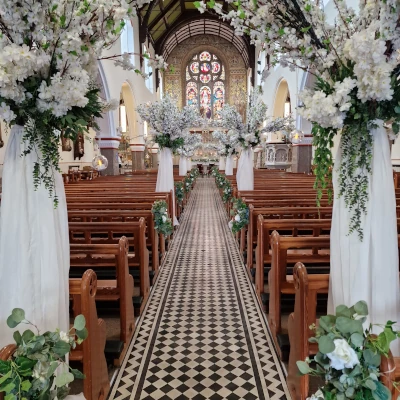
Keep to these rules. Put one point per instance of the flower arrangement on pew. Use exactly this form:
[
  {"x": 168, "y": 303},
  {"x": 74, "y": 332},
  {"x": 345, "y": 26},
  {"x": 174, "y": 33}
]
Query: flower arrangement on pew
[
  {"x": 179, "y": 192},
  {"x": 240, "y": 215},
  {"x": 49, "y": 64},
  {"x": 227, "y": 191},
  {"x": 215, "y": 172},
  {"x": 163, "y": 223},
  {"x": 220, "y": 181},
  {"x": 37, "y": 369},
  {"x": 349, "y": 357},
  {"x": 187, "y": 184}
]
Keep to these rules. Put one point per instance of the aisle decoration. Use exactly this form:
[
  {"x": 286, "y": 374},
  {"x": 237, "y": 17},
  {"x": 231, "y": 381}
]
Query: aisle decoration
[
  {"x": 227, "y": 192},
  {"x": 354, "y": 62},
  {"x": 162, "y": 223},
  {"x": 191, "y": 142},
  {"x": 349, "y": 357},
  {"x": 226, "y": 148},
  {"x": 245, "y": 136},
  {"x": 179, "y": 192},
  {"x": 37, "y": 369},
  {"x": 168, "y": 126},
  {"x": 240, "y": 214}
]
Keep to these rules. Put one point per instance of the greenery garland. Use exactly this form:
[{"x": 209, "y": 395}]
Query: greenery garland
[
  {"x": 227, "y": 192},
  {"x": 31, "y": 372},
  {"x": 240, "y": 214},
  {"x": 163, "y": 224},
  {"x": 179, "y": 192},
  {"x": 187, "y": 184}
]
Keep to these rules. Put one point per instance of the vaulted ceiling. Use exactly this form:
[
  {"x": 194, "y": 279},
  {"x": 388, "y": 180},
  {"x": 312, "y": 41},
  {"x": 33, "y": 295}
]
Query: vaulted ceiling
[{"x": 169, "y": 22}]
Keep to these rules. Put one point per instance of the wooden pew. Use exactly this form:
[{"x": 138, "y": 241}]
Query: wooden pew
[
  {"x": 303, "y": 316},
  {"x": 124, "y": 216},
  {"x": 90, "y": 353},
  {"x": 312, "y": 250},
  {"x": 119, "y": 288},
  {"x": 110, "y": 233}
]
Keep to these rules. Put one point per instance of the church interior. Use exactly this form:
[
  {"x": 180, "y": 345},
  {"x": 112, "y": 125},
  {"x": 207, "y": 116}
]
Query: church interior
[{"x": 226, "y": 262}]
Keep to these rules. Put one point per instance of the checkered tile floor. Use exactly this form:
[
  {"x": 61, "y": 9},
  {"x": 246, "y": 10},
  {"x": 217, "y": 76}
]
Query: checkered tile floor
[{"x": 202, "y": 335}]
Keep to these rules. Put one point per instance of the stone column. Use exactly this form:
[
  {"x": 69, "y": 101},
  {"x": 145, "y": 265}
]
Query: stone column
[
  {"x": 302, "y": 155},
  {"x": 154, "y": 156},
  {"x": 109, "y": 149},
  {"x": 137, "y": 156}
]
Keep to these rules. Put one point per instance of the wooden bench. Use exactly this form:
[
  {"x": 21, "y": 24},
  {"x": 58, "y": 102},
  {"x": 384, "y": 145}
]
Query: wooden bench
[
  {"x": 90, "y": 353},
  {"x": 110, "y": 233},
  {"x": 286, "y": 251},
  {"x": 118, "y": 287},
  {"x": 124, "y": 216}
]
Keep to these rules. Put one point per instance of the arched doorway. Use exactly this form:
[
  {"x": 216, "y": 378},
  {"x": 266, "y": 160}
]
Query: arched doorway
[{"x": 282, "y": 104}]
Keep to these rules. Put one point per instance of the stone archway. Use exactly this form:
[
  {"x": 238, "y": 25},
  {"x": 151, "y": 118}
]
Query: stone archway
[{"x": 282, "y": 94}]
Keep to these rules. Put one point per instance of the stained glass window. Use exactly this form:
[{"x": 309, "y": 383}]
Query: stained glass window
[{"x": 205, "y": 87}]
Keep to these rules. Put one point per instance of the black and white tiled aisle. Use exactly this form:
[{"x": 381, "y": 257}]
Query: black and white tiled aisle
[{"x": 202, "y": 335}]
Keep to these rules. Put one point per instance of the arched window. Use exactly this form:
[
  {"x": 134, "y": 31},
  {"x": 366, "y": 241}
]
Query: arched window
[
  {"x": 260, "y": 67},
  {"x": 128, "y": 40},
  {"x": 149, "y": 71},
  {"x": 205, "y": 84}
]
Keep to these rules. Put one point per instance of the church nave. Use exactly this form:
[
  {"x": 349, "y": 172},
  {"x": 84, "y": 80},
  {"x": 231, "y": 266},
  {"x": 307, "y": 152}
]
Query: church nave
[{"x": 203, "y": 334}]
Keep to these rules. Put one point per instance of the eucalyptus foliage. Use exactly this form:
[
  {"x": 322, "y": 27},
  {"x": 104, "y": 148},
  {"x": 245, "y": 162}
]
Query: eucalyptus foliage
[
  {"x": 162, "y": 222},
  {"x": 349, "y": 356},
  {"x": 179, "y": 192},
  {"x": 37, "y": 370},
  {"x": 240, "y": 214}
]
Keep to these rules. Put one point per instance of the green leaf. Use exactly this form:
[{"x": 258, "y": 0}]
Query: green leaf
[
  {"x": 53, "y": 366},
  {"x": 327, "y": 322},
  {"x": 9, "y": 387},
  {"x": 79, "y": 322},
  {"x": 10, "y": 396},
  {"x": 17, "y": 337},
  {"x": 61, "y": 348},
  {"x": 381, "y": 392},
  {"x": 347, "y": 325},
  {"x": 397, "y": 109},
  {"x": 6, "y": 376},
  {"x": 27, "y": 336},
  {"x": 63, "y": 19},
  {"x": 26, "y": 385},
  {"x": 371, "y": 358},
  {"x": 77, "y": 374},
  {"x": 350, "y": 392},
  {"x": 357, "y": 339},
  {"x": 211, "y": 4},
  {"x": 361, "y": 308},
  {"x": 5, "y": 366},
  {"x": 326, "y": 345},
  {"x": 370, "y": 384},
  {"x": 343, "y": 311},
  {"x": 16, "y": 317},
  {"x": 303, "y": 367},
  {"x": 64, "y": 379},
  {"x": 83, "y": 334}
]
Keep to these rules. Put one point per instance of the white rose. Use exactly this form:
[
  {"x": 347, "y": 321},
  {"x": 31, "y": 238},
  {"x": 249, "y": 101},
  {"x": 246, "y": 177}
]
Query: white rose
[
  {"x": 343, "y": 356},
  {"x": 230, "y": 224},
  {"x": 317, "y": 395},
  {"x": 64, "y": 337},
  {"x": 237, "y": 218},
  {"x": 164, "y": 218}
]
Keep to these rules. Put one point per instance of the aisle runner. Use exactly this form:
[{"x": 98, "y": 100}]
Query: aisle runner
[{"x": 202, "y": 335}]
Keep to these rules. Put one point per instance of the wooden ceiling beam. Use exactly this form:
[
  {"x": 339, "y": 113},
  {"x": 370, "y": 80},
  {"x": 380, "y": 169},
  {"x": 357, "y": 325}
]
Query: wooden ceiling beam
[{"x": 164, "y": 11}]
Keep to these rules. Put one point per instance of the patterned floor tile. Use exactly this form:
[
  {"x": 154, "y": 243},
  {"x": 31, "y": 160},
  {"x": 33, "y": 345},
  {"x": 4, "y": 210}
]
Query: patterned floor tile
[{"x": 203, "y": 334}]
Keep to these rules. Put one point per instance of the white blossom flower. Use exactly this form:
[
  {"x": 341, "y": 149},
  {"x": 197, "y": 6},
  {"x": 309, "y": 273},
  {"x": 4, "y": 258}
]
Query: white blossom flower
[
  {"x": 64, "y": 337},
  {"x": 237, "y": 218},
  {"x": 343, "y": 356}
]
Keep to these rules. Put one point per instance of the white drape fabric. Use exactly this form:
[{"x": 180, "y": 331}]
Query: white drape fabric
[
  {"x": 183, "y": 167},
  {"x": 221, "y": 166},
  {"x": 165, "y": 176},
  {"x": 229, "y": 165},
  {"x": 245, "y": 171},
  {"x": 34, "y": 245},
  {"x": 368, "y": 270},
  {"x": 189, "y": 164}
]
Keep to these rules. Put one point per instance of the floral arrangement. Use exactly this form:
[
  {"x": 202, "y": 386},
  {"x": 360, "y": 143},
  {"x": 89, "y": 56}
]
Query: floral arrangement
[
  {"x": 49, "y": 52},
  {"x": 37, "y": 369},
  {"x": 179, "y": 192},
  {"x": 192, "y": 141},
  {"x": 220, "y": 180},
  {"x": 280, "y": 124},
  {"x": 349, "y": 357},
  {"x": 355, "y": 61},
  {"x": 244, "y": 134},
  {"x": 240, "y": 214},
  {"x": 215, "y": 172},
  {"x": 226, "y": 143},
  {"x": 168, "y": 124},
  {"x": 187, "y": 184},
  {"x": 227, "y": 192},
  {"x": 162, "y": 223}
]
